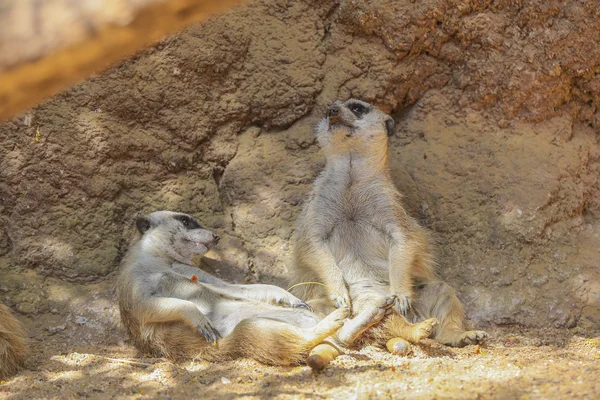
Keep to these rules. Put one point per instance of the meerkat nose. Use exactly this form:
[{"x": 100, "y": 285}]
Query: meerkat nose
[{"x": 333, "y": 111}]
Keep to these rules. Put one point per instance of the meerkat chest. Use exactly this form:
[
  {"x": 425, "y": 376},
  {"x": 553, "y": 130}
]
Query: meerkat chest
[
  {"x": 347, "y": 203},
  {"x": 354, "y": 218}
]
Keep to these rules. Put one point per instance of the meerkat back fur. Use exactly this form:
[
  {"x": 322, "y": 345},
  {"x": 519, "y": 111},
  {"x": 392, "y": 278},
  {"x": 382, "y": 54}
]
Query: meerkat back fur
[
  {"x": 171, "y": 308},
  {"x": 13, "y": 343},
  {"x": 355, "y": 236}
]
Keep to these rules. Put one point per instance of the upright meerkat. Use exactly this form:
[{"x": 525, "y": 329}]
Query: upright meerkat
[
  {"x": 173, "y": 309},
  {"x": 355, "y": 236},
  {"x": 13, "y": 344}
]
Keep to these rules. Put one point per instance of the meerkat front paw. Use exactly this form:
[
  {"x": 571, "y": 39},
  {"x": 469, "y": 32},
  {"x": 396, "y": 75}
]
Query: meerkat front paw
[
  {"x": 280, "y": 297},
  {"x": 402, "y": 304},
  {"x": 293, "y": 302},
  {"x": 300, "y": 304},
  {"x": 205, "y": 328}
]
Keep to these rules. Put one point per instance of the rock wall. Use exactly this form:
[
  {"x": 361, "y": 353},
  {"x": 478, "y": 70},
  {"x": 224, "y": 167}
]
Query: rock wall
[{"x": 497, "y": 149}]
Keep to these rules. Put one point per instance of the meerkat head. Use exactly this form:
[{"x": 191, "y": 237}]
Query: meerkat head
[
  {"x": 354, "y": 125},
  {"x": 174, "y": 235}
]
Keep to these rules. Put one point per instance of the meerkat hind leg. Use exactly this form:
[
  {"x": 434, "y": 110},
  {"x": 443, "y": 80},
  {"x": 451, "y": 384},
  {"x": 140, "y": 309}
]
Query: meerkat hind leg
[
  {"x": 321, "y": 355},
  {"x": 327, "y": 326},
  {"x": 439, "y": 300},
  {"x": 353, "y": 328},
  {"x": 397, "y": 326},
  {"x": 324, "y": 353},
  {"x": 274, "y": 342}
]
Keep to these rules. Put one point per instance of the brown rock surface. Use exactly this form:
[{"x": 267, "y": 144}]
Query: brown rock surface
[{"x": 497, "y": 152}]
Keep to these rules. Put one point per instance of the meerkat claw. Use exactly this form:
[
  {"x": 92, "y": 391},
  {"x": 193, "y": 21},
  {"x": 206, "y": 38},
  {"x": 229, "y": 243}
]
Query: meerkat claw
[
  {"x": 402, "y": 304},
  {"x": 340, "y": 302},
  {"x": 304, "y": 305},
  {"x": 208, "y": 332},
  {"x": 389, "y": 300}
]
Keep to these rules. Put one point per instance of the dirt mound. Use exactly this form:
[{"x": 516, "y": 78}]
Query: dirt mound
[{"x": 497, "y": 149}]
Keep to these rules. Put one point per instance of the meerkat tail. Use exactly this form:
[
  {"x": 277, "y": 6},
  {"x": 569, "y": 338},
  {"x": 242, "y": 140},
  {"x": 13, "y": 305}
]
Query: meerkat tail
[
  {"x": 13, "y": 343},
  {"x": 321, "y": 356}
]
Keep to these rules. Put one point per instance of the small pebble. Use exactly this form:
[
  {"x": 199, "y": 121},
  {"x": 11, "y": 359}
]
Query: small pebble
[{"x": 56, "y": 329}]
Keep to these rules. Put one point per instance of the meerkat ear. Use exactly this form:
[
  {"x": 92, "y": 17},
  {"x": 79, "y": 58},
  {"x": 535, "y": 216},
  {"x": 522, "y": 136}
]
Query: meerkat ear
[
  {"x": 390, "y": 127},
  {"x": 142, "y": 224}
]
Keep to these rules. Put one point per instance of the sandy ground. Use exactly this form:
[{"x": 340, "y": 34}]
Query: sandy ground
[{"x": 516, "y": 363}]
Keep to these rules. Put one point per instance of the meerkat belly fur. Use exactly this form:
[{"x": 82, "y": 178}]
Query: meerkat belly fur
[
  {"x": 13, "y": 345},
  {"x": 355, "y": 236},
  {"x": 171, "y": 308}
]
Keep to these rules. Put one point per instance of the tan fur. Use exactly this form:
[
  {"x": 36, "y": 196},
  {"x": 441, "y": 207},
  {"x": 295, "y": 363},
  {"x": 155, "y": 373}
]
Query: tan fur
[
  {"x": 13, "y": 343},
  {"x": 355, "y": 236},
  {"x": 168, "y": 314},
  {"x": 268, "y": 341}
]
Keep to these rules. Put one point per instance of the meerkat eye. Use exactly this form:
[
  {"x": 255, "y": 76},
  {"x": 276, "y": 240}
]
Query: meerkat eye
[
  {"x": 357, "y": 109},
  {"x": 188, "y": 222}
]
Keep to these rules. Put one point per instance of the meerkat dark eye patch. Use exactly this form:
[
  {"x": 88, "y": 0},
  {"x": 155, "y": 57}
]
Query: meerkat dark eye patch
[
  {"x": 390, "y": 127},
  {"x": 358, "y": 109},
  {"x": 188, "y": 222},
  {"x": 142, "y": 224}
]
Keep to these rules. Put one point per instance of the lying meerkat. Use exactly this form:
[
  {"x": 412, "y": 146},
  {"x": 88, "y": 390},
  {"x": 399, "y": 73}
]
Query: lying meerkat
[
  {"x": 13, "y": 344},
  {"x": 355, "y": 236},
  {"x": 173, "y": 309}
]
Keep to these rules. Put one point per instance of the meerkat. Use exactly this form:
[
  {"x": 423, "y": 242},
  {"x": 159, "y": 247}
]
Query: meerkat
[
  {"x": 171, "y": 308},
  {"x": 13, "y": 343},
  {"x": 355, "y": 236}
]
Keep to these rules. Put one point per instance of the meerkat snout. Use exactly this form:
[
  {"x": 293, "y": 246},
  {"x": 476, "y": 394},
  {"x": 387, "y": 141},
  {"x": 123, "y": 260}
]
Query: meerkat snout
[
  {"x": 340, "y": 114},
  {"x": 334, "y": 113}
]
